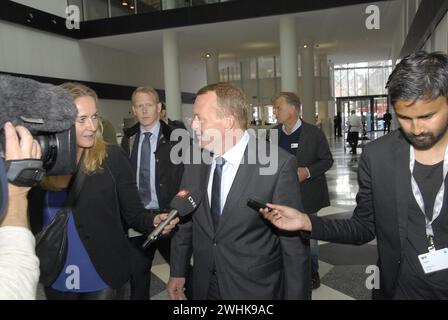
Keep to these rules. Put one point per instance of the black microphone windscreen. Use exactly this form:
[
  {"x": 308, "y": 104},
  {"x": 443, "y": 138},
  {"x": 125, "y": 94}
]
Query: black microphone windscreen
[
  {"x": 38, "y": 106},
  {"x": 186, "y": 201}
]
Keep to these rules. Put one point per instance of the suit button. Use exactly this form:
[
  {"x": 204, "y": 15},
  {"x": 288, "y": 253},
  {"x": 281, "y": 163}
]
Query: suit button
[
  {"x": 213, "y": 272},
  {"x": 86, "y": 238},
  {"x": 161, "y": 185},
  {"x": 157, "y": 160},
  {"x": 215, "y": 244}
]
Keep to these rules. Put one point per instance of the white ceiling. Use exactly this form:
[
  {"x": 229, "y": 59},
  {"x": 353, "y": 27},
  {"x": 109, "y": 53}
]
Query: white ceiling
[{"x": 340, "y": 33}]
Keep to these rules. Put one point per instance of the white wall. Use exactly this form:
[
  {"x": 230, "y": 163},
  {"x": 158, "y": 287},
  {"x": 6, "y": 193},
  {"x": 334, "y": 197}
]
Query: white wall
[
  {"x": 56, "y": 7},
  {"x": 115, "y": 111},
  {"x": 193, "y": 75},
  {"x": 29, "y": 51}
]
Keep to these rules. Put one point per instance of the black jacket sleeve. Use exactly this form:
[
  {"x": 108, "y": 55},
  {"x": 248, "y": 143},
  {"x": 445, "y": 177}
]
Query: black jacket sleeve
[
  {"x": 131, "y": 207},
  {"x": 324, "y": 159},
  {"x": 360, "y": 228}
]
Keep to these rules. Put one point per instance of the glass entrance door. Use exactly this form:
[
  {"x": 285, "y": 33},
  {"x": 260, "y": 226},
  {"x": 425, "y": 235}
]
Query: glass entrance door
[
  {"x": 370, "y": 108},
  {"x": 380, "y": 106},
  {"x": 362, "y": 109}
]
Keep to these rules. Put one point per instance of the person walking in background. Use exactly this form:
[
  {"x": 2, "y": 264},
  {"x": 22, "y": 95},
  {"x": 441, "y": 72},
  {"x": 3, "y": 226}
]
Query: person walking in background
[
  {"x": 354, "y": 127},
  {"x": 337, "y": 121},
  {"x": 387, "y": 118},
  {"x": 310, "y": 147}
]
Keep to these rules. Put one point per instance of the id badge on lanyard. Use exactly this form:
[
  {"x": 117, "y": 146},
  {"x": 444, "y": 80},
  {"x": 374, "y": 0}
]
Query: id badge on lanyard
[{"x": 434, "y": 260}]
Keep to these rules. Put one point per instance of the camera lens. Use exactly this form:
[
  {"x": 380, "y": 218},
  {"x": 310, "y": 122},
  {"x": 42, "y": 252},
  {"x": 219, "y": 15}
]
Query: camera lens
[
  {"x": 58, "y": 152},
  {"x": 49, "y": 148}
]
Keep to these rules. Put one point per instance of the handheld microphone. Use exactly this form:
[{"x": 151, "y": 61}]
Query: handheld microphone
[{"x": 183, "y": 203}]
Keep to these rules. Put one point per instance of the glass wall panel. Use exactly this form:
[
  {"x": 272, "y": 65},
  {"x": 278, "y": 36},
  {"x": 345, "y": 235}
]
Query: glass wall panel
[
  {"x": 351, "y": 82},
  {"x": 360, "y": 82},
  {"x": 266, "y": 67},
  {"x": 77, "y": 3},
  {"x": 121, "y": 7},
  {"x": 95, "y": 9},
  {"x": 147, "y": 5}
]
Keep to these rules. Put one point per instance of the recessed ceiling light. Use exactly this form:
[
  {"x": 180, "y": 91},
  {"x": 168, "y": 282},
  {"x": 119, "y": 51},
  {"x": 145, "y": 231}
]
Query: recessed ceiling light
[
  {"x": 305, "y": 46},
  {"x": 131, "y": 7},
  {"x": 207, "y": 55},
  {"x": 124, "y": 3}
]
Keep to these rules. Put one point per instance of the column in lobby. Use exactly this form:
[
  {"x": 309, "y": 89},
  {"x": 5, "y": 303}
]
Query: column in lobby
[
  {"x": 307, "y": 90},
  {"x": 171, "y": 75},
  {"x": 212, "y": 65},
  {"x": 324, "y": 95},
  {"x": 288, "y": 54}
]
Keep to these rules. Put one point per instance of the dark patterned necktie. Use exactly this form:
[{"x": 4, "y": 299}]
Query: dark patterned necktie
[
  {"x": 215, "y": 204},
  {"x": 144, "y": 185}
]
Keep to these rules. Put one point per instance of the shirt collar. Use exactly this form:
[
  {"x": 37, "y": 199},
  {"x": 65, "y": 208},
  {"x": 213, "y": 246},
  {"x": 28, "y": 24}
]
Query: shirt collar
[
  {"x": 236, "y": 153},
  {"x": 154, "y": 130},
  {"x": 296, "y": 126}
]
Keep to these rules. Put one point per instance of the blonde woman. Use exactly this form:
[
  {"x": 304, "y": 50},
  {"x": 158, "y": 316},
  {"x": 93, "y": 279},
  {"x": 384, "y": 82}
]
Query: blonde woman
[{"x": 97, "y": 264}]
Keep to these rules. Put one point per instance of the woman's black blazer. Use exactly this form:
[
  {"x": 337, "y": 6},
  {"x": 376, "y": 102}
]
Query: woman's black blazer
[{"x": 107, "y": 197}]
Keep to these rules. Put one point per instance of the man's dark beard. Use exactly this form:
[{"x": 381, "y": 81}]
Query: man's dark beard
[{"x": 426, "y": 144}]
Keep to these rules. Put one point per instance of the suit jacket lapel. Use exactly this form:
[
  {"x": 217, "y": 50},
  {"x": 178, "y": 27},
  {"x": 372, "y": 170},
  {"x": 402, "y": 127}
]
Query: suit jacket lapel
[
  {"x": 134, "y": 150},
  {"x": 303, "y": 137},
  {"x": 402, "y": 186},
  {"x": 204, "y": 177}
]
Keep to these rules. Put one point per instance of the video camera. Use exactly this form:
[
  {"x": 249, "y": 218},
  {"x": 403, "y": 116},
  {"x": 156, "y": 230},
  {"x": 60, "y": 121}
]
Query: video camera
[{"x": 49, "y": 113}]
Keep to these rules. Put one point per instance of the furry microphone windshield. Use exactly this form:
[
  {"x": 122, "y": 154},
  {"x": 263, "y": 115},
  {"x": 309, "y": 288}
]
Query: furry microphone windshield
[{"x": 40, "y": 107}]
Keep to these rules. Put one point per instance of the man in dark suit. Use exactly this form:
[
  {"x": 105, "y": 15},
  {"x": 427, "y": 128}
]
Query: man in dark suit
[
  {"x": 236, "y": 254},
  {"x": 310, "y": 146},
  {"x": 402, "y": 198},
  {"x": 157, "y": 177},
  {"x": 387, "y": 118}
]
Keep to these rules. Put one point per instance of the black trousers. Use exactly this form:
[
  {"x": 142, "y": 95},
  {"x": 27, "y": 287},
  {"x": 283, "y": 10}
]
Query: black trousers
[
  {"x": 105, "y": 294},
  {"x": 352, "y": 138},
  {"x": 141, "y": 260}
]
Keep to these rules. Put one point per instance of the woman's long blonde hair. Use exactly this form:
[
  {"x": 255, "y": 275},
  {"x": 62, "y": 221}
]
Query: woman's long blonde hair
[{"x": 94, "y": 156}]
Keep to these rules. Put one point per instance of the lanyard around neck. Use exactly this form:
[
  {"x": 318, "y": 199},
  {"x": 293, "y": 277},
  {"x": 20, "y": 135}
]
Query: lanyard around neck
[{"x": 438, "y": 203}]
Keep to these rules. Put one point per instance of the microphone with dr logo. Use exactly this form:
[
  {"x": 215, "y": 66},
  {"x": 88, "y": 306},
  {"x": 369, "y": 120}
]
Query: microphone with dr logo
[{"x": 183, "y": 203}]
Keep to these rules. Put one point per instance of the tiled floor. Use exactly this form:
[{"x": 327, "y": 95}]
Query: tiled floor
[{"x": 342, "y": 267}]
